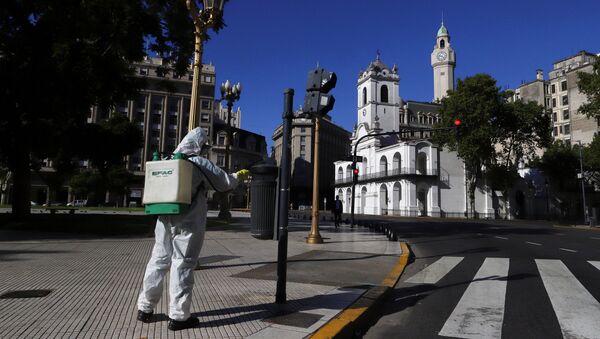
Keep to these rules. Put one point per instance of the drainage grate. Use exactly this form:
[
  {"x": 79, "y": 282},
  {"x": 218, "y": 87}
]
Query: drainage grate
[{"x": 25, "y": 294}]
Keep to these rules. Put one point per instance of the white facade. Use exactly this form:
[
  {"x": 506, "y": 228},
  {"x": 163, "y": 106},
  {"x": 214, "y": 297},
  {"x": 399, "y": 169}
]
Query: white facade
[{"x": 405, "y": 177}]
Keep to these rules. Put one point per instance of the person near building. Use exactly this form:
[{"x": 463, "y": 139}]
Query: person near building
[
  {"x": 179, "y": 238},
  {"x": 337, "y": 210}
]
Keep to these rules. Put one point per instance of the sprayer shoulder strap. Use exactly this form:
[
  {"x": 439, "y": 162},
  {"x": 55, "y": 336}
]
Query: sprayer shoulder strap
[{"x": 205, "y": 176}]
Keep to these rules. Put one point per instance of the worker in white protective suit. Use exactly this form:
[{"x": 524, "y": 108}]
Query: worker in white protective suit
[{"x": 179, "y": 239}]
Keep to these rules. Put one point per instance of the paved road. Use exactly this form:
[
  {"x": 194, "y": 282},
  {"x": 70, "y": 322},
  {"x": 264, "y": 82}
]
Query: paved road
[{"x": 507, "y": 280}]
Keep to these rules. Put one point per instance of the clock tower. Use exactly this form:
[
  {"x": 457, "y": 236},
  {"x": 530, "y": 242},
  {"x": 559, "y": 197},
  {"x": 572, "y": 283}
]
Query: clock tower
[{"x": 443, "y": 61}]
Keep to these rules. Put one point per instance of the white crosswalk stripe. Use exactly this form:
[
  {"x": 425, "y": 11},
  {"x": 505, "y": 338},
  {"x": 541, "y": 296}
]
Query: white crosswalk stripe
[
  {"x": 480, "y": 311},
  {"x": 577, "y": 311},
  {"x": 436, "y": 271},
  {"x": 596, "y": 264}
]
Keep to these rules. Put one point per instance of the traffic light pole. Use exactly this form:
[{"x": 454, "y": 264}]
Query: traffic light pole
[
  {"x": 399, "y": 133},
  {"x": 284, "y": 196}
]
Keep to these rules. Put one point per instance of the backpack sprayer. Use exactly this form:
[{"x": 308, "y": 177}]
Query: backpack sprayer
[{"x": 168, "y": 185}]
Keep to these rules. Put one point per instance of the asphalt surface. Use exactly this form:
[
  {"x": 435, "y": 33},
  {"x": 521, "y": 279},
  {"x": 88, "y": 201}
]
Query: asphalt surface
[{"x": 495, "y": 280}]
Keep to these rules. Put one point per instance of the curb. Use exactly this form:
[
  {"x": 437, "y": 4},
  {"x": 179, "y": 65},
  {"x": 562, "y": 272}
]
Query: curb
[
  {"x": 362, "y": 312},
  {"x": 580, "y": 228}
]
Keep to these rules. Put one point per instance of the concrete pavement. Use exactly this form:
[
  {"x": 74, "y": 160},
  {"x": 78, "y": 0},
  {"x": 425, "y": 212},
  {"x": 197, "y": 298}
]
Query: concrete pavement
[{"x": 93, "y": 283}]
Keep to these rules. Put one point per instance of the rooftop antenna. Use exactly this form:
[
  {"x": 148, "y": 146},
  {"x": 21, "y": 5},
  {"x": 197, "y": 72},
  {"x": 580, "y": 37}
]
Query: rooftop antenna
[
  {"x": 442, "y": 18},
  {"x": 378, "y": 54},
  {"x": 317, "y": 64}
]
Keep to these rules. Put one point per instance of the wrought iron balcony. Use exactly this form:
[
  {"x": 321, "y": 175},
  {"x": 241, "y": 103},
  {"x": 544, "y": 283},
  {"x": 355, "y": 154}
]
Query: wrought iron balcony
[{"x": 389, "y": 174}]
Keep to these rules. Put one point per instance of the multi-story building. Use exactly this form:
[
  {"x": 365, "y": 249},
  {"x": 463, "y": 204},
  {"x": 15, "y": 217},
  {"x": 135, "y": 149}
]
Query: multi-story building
[
  {"x": 561, "y": 97},
  {"x": 333, "y": 146}
]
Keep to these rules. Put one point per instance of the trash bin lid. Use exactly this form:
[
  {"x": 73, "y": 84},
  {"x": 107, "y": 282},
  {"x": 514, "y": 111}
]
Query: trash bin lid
[{"x": 264, "y": 168}]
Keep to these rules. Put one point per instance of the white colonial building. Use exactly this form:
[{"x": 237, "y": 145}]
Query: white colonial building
[{"x": 408, "y": 175}]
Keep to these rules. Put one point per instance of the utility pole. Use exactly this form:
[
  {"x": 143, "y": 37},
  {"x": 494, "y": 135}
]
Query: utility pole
[{"x": 314, "y": 237}]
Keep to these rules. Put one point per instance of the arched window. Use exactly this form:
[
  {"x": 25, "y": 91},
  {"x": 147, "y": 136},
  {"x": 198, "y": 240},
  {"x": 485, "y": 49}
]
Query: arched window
[
  {"x": 442, "y": 43},
  {"x": 384, "y": 93},
  {"x": 383, "y": 165},
  {"x": 340, "y": 173},
  {"x": 364, "y": 95},
  {"x": 397, "y": 163}
]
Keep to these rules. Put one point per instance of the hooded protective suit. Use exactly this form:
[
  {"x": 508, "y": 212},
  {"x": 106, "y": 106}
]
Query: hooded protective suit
[{"x": 179, "y": 237}]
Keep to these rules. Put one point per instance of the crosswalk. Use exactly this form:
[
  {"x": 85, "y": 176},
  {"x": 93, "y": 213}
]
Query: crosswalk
[{"x": 480, "y": 311}]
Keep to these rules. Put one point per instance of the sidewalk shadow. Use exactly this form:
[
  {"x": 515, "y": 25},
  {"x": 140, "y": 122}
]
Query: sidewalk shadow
[
  {"x": 8, "y": 253},
  {"x": 241, "y": 314}
]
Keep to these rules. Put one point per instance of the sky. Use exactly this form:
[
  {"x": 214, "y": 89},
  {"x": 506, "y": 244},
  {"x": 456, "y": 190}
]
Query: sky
[{"x": 271, "y": 45}]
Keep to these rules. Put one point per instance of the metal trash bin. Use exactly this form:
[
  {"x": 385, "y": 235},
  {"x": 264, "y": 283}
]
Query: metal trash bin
[{"x": 263, "y": 189}]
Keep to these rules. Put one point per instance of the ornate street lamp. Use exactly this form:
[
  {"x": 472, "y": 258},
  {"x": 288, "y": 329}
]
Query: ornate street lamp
[
  {"x": 230, "y": 93},
  {"x": 211, "y": 16}
]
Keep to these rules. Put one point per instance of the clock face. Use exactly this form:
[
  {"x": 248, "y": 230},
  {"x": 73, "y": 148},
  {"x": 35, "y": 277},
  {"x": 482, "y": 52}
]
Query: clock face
[{"x": 441, "y": 56}]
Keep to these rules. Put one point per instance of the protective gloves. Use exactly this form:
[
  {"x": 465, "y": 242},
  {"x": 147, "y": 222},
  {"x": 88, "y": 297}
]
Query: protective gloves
[{"x": 242, "y": 175}]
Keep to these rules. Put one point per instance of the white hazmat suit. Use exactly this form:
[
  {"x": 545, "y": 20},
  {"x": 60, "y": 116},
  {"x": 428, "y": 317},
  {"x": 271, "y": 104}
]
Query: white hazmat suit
[{"x": 179, "y": 237}]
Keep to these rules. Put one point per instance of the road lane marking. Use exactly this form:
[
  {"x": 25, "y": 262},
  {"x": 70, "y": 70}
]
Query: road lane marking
[
  {"x": 577, "y": 311},
  {"x": 568, "y": 250},
  {"x": 480, "y": 311},
  {"x": 533, "y": 243},
  {"x": 503, "y": 238},
  {"x": 436, "y": 271},
  {"x": 596, "y": 264}
]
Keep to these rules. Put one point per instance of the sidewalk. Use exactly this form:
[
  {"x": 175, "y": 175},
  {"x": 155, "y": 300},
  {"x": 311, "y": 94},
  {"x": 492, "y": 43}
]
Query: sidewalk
[{"x": 94, "y": 284}]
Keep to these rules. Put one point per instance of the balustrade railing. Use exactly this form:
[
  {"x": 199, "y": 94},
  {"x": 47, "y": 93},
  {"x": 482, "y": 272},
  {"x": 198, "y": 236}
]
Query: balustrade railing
[{"x": 390, "y": 173}]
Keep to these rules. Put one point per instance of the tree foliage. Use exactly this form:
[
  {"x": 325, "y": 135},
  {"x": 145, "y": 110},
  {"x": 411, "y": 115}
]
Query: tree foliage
[
  {"x": 495, "y": 135},
  {"x": 560, "y": 163},
  {"x": 60, "y": 57},
  {"x": 589, "y": 84}
]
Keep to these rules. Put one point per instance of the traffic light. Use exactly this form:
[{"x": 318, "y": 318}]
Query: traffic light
[
  {"x": 319, "y": 83},
  {"x": 458, "y": 128}
]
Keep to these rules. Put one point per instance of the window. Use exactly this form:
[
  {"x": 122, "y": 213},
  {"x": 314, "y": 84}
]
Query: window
[
  {"x": 565, "y": 100},
  {"x": 302, "y": 129},
  {"x": 220, "y": 160},
  {"x": 302, "y": 140},
  {"x": 143, "y": 71},
  {"x": 384, "y": 93},
  {"x": 560, "y": 129},
  {"x": 190, "y": 76},
  {"x": 547, "y": 102},
  {"x": 567, "y": 129},
  {"x": 442, "y": 43},
  {"x": 555, "y": 131},
  {"x": 553, "y": 88},
  {"x": 205, "y": 117},
  {"x": 206, "y": 104},
  {"x": 156, "y": 118},
  {"x": 207, "y": 78},
  {"x": 302, "y": 148},
  {"x": 563, "y": 85},
  {"x": 565, "y": 114},
  {"x": 553, "y": 102},
  {"x": 171, "y": 133},
  {"x": 139, "y": 117},
  {"x": 554, "y": 118},
  {"x": 221, "y": 139},
  {"x": 155, "y": 133},
  {"x": 364, "y": 96},
  {"x": 172, "y": 120}
]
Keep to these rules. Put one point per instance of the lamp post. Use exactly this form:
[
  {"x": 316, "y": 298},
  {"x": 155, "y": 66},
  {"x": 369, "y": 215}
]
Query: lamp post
[
  {"x": 585, "y": 211},
  {"x": 211, "y": 16},
  {"x": 230, "y": 93}
]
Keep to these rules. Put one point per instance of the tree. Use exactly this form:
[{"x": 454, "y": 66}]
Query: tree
[
  {"x": 589, "y": 84},
  {"x": 477, "y": 103},
  {"x": 105, "y": 145},
  {"x": 495, "y": 135},
  {"x": 59, "y": 58},
  {"x": 521, "y": 129},
  {"x": 560, "y": 163}
]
